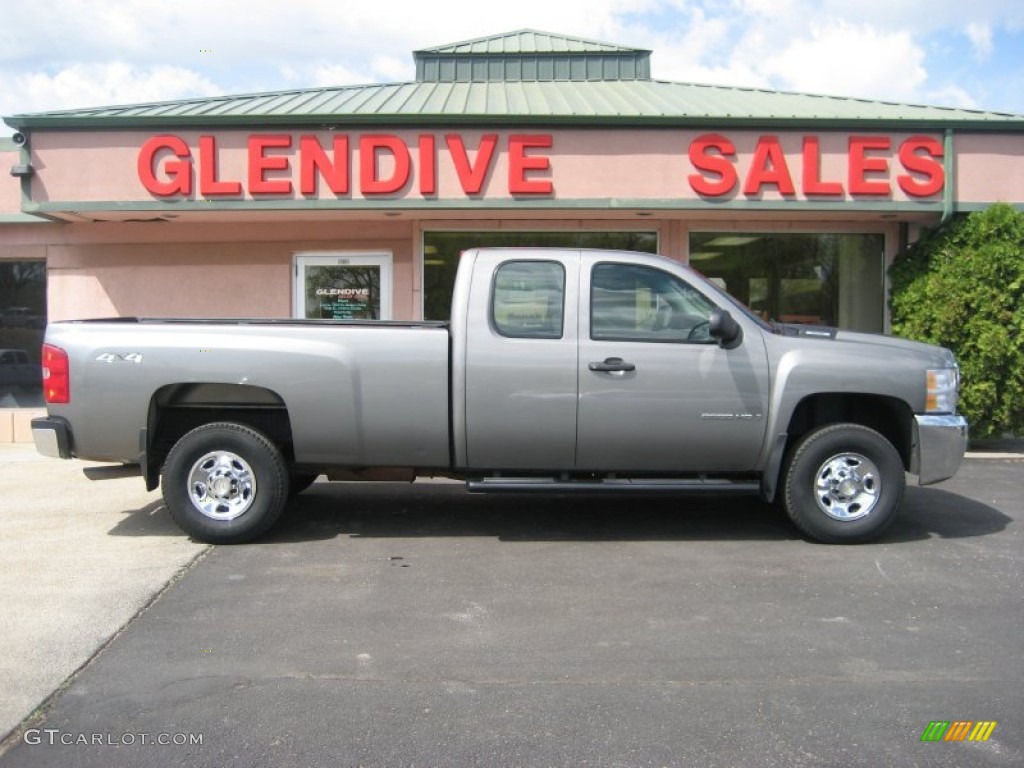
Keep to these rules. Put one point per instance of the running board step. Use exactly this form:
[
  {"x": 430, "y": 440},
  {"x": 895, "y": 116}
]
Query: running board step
[
  {"x": 112, "y": 471},
  {"x": 669, "y": 485}
]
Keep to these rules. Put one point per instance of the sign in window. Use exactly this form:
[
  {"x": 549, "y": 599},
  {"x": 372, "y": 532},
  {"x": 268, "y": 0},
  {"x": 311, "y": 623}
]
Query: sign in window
[{"x": 343, "y": 286}]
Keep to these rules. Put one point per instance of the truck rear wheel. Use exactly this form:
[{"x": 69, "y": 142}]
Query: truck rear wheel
[
  {"x": 224, "y": 483},
  {"x": 842, "y": 484}
]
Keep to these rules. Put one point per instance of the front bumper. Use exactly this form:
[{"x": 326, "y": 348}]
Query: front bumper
[
  {"x": 939, "y": 446},
  {"x": 52, "y": 437}
]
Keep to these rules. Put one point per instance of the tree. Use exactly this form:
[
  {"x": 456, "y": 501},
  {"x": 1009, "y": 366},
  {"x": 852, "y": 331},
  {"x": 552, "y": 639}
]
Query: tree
[{"x": 962, "y": 286}]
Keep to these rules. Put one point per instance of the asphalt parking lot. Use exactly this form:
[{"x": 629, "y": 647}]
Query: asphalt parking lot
[{"x": 423, "y": 626}]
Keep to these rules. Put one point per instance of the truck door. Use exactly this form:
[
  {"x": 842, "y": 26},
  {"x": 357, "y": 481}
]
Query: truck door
[
  {"x": 520, "y": 361},
  {"x": 656, "y": 393}
]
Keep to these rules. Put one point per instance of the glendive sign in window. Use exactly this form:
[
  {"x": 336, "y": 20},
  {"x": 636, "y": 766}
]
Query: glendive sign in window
[{"x": 343, "y": 286}]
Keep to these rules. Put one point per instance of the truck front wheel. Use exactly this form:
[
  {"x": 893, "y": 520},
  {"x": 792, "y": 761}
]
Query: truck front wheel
[
  {"x": 842, "y": 484},
  {"x": 225, "y": 483}
]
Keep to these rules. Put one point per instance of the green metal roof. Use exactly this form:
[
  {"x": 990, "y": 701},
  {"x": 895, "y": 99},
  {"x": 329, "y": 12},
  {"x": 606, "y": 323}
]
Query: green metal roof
[
  {"x": 531, "y": 55},
  {"x": 514, "y": 80},
  {"x": 637, "y": 102},
  {"x": 530, "y": 41}
]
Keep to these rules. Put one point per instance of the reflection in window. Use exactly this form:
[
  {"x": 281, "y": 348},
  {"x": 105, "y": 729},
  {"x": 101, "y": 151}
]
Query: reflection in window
[
  {"x": 22, "y": 324},
  {"x": 441, "y": 255},
  {"x": 645, "y": 304},
  {"x": 528, "y": 300},
  {"x": 821, "y": 279}
]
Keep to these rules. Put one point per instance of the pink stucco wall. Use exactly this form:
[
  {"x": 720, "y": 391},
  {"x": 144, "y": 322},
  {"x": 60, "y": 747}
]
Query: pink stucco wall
[
  {"x": 222, "y": 270},
  {"x": 989, "y": 168},
  {"x": 10, "y": 186}
]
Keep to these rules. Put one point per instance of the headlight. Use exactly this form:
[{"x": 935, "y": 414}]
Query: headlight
[{"x": 943, "y": 390}]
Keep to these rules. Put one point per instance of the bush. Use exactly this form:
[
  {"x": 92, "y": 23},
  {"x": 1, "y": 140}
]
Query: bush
[{"x": 962, "y": 286}]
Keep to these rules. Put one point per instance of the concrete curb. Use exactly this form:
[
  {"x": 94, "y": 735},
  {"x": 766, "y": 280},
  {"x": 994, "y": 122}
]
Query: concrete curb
[{"x": 994, "y": 455}]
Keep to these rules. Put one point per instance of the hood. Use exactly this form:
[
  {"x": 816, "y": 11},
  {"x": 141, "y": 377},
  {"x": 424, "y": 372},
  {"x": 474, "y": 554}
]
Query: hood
[{"x": 937, "y": 356}]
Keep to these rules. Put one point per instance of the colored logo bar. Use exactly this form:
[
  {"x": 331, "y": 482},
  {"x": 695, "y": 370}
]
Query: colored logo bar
[{"x": 959, "y": 730}]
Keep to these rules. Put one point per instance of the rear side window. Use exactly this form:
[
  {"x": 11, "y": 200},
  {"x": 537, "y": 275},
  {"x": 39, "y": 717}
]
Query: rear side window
[{"x": 528, "y": 299}]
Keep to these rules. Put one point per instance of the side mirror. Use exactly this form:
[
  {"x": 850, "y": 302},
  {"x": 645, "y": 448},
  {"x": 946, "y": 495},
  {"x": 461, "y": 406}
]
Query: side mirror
[{"x": 725, "y": 329}]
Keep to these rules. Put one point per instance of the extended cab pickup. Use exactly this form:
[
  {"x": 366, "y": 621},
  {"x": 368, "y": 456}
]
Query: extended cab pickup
[{"x": 560, "y": 371}]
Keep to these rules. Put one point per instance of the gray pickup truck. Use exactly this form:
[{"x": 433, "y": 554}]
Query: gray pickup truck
[{"x": 561, "y": 371}]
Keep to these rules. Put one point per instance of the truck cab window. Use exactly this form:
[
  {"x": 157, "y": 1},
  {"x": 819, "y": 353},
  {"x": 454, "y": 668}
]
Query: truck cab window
[
  {"x": 637, "y": 303},
  {"x": 528, "y": 299}
]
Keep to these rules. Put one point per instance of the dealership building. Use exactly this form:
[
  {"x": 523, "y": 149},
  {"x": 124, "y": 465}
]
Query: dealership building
[{"x": 355, "y": 201}]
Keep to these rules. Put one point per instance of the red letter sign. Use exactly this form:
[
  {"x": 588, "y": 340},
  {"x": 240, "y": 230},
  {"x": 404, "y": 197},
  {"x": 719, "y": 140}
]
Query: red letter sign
[
  {"x": 861, "y": 165},
  {"x": 369, "y": 183},
  {"x": 313, "y": 160},
  {"x": 813, "y": 185},
  {"x": 260, "y": 163},
  {"x": 519, "y": 163},
  {"x": 724, "y": 177},
  {"x": 179, "y": 172},
  {"x": 209, "y": 184},
  {"x": 472, "y": 178},
  {"x": 768, "y": 166},
  {"x": 930, "y": 174},
  {"x": 428, "y": 164}
]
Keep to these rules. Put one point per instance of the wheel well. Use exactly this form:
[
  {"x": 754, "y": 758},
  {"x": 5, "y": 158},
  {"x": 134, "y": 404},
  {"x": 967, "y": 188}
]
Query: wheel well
[
  {"x": 176, "y": 409},
  {"x": 889, "y": 416}
]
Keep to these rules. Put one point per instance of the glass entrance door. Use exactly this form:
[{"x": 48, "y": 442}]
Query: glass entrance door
[{"x": 342, "y": 286}]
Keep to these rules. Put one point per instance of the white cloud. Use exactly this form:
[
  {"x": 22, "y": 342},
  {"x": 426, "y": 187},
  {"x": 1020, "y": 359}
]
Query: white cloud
[
  {"x": 71, "y": 53},
  {"x": 84, "y": 85},
  {"x": 844, "y": 59},
  {"x": 980, "y": 36},
  {"x": 951, "y": 96},
  {"x": 326, "y": 75},
  {"x": 393, "y": 69}
]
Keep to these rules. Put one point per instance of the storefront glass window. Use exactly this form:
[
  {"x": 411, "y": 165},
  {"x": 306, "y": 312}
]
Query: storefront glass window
[
  {"x": 441, "y": 255},
  {"x": 22, "y": 323},
  {"x": 820, "y": 279}
]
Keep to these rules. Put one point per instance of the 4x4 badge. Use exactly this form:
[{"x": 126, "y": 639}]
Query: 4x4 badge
[{"x": 119, "y": 357}]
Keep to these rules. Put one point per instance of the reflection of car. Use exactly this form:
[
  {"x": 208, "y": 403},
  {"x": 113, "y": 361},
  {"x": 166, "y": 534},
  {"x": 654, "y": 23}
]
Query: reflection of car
[
  {"x": 16, "y": 370},
  {"x": 21, "y": 317}
]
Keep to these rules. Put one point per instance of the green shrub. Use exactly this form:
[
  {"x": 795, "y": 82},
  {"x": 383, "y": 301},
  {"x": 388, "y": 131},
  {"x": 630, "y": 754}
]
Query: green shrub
[{"x": 962, "y": 286}]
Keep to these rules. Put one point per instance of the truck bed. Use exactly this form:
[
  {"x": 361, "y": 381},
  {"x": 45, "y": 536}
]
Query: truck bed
[{"x": 344, "y": 384}]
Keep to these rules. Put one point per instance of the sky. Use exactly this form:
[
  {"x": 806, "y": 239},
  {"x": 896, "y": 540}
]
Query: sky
[{"x": 62, "y": 54}]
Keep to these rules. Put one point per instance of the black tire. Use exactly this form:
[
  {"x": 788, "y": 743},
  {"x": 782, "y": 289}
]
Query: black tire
[
  {"x": 842, "y": 484},
  {"x": 300, "y": 481},
  {"x": 244, "y": 470}
]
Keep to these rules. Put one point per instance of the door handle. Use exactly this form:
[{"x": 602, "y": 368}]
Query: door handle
[{"x": 612, "y": 365}]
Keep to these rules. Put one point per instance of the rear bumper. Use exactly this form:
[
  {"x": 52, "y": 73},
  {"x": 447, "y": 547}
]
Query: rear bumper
[
  {"x": 939, "y": 446},
  {"x": 52, "y": 437}
]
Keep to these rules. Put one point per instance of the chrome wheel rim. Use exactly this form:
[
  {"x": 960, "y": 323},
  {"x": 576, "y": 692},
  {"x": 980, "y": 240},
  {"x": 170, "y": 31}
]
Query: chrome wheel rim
[
  {"x": 222, "y": 485},
  {"x": 847, "y": 487}
]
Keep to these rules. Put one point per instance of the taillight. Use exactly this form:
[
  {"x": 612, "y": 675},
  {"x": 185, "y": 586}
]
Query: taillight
[{"x": 56, "y": 375}]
